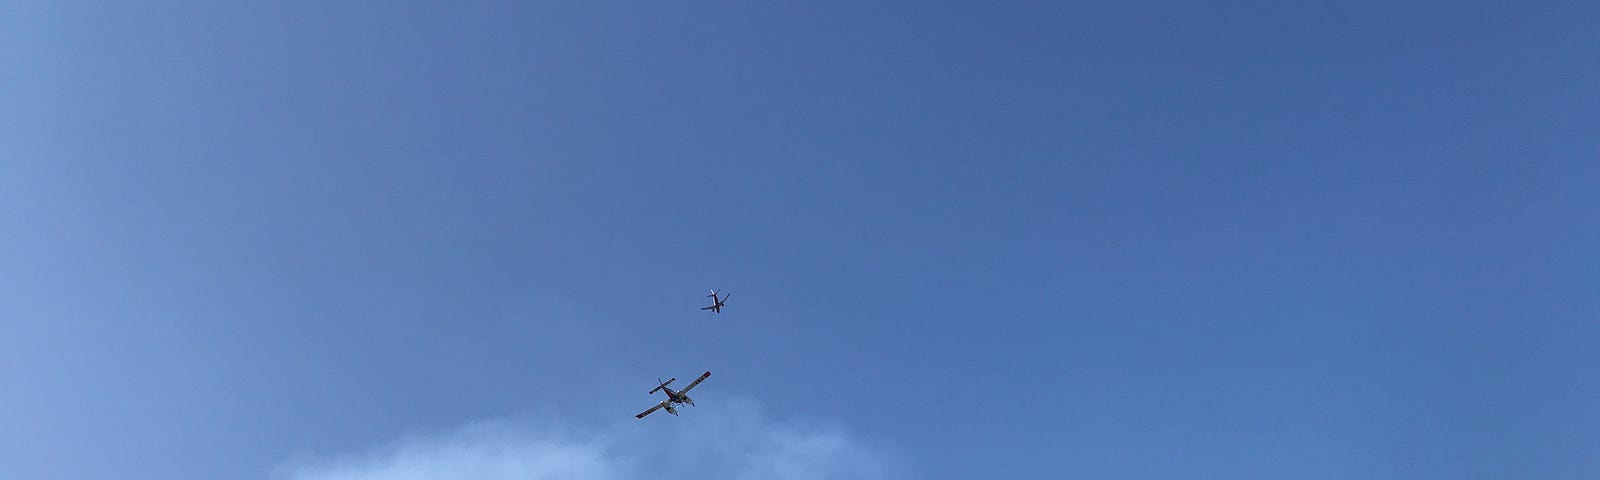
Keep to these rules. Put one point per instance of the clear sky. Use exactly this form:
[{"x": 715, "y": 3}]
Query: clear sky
[{"x": 1103, "y": 240}]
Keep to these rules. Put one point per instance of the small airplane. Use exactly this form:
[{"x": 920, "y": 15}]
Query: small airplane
[
  {"x": 673, "y": 398},
  {"x": 716, "y": 305}
]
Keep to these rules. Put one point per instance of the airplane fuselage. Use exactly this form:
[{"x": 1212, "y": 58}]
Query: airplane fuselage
[{"x": 676, "y": 397}]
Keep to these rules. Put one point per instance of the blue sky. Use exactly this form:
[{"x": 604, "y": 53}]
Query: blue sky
[{"x": 303, "y": 241}]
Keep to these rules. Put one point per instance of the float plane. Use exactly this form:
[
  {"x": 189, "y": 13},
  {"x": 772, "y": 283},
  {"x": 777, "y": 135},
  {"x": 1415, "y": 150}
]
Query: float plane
[{"x": 673, "y": 398}]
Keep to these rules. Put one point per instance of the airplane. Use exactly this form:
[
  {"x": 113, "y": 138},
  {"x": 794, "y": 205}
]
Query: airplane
[
  {"x": 716, "y": 305},
  {"x": 673, "y": 398}
]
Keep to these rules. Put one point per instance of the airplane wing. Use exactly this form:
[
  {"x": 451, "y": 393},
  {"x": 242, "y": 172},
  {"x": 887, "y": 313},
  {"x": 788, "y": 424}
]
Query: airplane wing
[
  {"x": 651, "y": 410},
  {"x": 725, "y": 297},
  {"x": 708, "y": 308},
  {"x": 695, "y": 382}
]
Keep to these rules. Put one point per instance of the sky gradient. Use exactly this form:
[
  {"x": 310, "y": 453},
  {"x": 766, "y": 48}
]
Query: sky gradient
[{"x": 313, "y": 241}]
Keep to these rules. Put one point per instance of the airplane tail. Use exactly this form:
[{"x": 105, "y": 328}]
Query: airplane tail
[{"x": 662, "y": 385}]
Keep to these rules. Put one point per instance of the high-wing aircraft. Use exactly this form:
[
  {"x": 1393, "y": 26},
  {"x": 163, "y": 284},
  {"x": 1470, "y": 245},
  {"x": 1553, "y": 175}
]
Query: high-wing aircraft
[
  {"x": 673, "y": 398},
  {"x": 716, "y": 305}
]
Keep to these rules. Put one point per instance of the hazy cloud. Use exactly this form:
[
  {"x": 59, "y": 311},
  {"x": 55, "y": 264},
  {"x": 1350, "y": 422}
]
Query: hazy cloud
[{"x": 735, "y": 441}]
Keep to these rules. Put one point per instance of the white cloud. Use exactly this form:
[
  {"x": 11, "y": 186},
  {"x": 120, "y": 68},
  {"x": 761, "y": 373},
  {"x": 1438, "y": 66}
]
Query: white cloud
[
  {"x": 789, "y": 453},
  {"x": 736, "y": 441}
]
